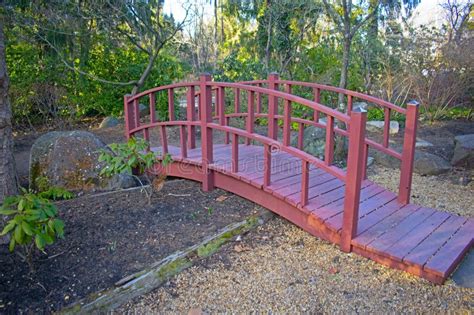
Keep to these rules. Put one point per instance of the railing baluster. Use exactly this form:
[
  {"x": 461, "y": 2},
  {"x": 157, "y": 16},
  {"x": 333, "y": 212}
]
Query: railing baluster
[
  {"x": 136, "y": 113},
  {"x": 250, "y": 114},
  {"x": 287, "y": 118},
  {"x": 171, "y": 104},
  {"x": 182, "y": 139},
  {"x": 272, "y": 107},
  {"x": 164, "y": 140},
  {"x": 267, "y": 165},
  {"x": 129, "y": 116},
  {"x": 317, "y": 99},
  {"x": 235, "y": 153},
  {"x": 300, "y": 136},
  {"x": 236, "y": 100},
  {"x": 226, "y": 137},
  {"x": 386, "y": 126},
  {"x": 259, "y": 100},
  {"x": 304, "y": 182},
  {"x": 408, "y": 153},
  {"x": 353, "y": 178},
  {"x": 329, "y": 149},
  {"x": 152, "y": 107},
  {"x": 191, "y": 116},
  {"x": 349, "y": 104},
  {"x": 220, "y": 104},
  {"x": 206, "y": 132},
  {"x": 365, "y": 156}
]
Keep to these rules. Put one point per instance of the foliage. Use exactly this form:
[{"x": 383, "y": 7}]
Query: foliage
[
  {"x": 131, "y": 157},
  {"x": 34, "y": 221}
]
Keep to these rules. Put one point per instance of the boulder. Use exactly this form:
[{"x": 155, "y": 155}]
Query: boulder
[
  {"x": 143, "y": 110},
  {"x": 420, "y": 143},
  {"x": 464, "y": 151},
  {"x": 425, "y": 163},
  {"x": 70, "y": 159},
  {"x": 109, "y": 122},
  {"x": 377, "y": 126},
  {"x": 314, "y": 141}
]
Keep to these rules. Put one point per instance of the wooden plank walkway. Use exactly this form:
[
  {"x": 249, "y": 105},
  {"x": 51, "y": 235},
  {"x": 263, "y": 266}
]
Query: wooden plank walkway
[{"x": 423, "y": 241}]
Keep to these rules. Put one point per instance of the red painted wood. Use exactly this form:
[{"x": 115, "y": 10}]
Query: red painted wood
[
  {"x": 409, "y": 241},
  {"x": 237, "y": 100},
  {"x": 287, "y": 118},
  {"x": 349, "y": 104},
  {"x": 304, "y": 183},
  {"x": 191, "y": 116},
  {"x": 227, "y": 138},
  {"x": 136, "y": 113},
  {"x": 152, "y": 104},
  {"x": 300, "y": 136},
  {"x": 250, "y": 121},
  {"x": 171, "y": 104},
  {"x": 164, "y": 139},
  {"x": 445, "y": 260},
  {"x": 272, "y": 107},
  {"x": 430, "y": 245},
  {"x": 365, "y": 157},
  {"x": 259, "y": 101},
  {"x": 394, "y": 234},
  {"x": 354, "y": 178},
  {"x": 317, "y": 99},
  {"x": 408, "y": 153},
  {"x": 129, "y": 116},
  {"x": 365, "y": 238},
  {"x": 206, "y": 132},
  {"x": 267, "y": 165},
  {"x": 235, "y": 153},
  {"x": 374, "y": 217},
  {"x": 329, "y": 146},
  {"x": 182, "y": 138},
  {"x": 386, "y": 127}
]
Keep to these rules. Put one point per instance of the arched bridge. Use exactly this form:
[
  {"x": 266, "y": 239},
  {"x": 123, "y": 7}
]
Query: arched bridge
[{"x": 248, "y": 138}]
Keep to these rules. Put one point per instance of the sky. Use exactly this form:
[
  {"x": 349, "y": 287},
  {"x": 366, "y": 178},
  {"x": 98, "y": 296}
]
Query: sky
[{"x": 427, "y": 12}]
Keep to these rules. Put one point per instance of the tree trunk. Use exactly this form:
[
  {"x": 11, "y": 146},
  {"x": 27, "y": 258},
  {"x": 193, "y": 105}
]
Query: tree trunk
[
  {"x": 344, "y": 68},
  {"x": 8, "y": 178}
]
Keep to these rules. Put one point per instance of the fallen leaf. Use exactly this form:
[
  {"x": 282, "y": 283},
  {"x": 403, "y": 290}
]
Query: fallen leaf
[
  {"x": 333, "y": 270},
  {"x": 221, "y": 198},
  {"x": 241, "y": 248}
]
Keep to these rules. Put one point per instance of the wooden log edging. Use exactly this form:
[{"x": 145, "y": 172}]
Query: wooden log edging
[{"x": 149, "y": 279}]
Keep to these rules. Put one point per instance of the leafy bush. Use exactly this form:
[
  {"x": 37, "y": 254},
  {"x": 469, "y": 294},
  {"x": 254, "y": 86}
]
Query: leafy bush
[
  {"x": 33, "y": 221},
  {"x": 132, "y": 157}
]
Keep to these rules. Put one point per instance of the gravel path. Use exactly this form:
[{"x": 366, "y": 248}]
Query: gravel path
[{"x": 280, "y": 268}]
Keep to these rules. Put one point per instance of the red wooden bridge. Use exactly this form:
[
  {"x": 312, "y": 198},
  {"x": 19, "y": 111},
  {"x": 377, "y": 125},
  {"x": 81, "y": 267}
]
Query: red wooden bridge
[{"x": 335, "y": 204}]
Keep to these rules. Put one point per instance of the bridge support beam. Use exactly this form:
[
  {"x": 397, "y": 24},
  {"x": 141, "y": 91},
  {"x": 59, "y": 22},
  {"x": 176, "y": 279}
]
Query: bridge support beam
[
  {"x": 355, "y": 166},
  {"x": 206, "y": 133}
]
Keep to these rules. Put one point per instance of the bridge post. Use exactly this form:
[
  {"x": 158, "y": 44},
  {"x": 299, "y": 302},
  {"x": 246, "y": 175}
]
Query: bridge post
[
  {"x": 273, "y": 106},
  {"x": 355, "y": 166},
  {"x": 206, "y": 133},
  {"x": 129, "y": 115},
  {"x": 408, "y": 153}
]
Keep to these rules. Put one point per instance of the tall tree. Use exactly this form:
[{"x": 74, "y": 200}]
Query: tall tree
[
  {"x": 8, "y": 178},
  {"x": 347, "y": 24}
]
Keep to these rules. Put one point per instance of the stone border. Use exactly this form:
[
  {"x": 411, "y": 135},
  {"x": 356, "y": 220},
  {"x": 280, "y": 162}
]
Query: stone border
[{"x": 149, "y": 279}]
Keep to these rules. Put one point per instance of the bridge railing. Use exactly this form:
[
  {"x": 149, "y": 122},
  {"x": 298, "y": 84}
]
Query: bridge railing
[
  {"x": 213, "y": 115},
  {"x": 410, "y": 112}
]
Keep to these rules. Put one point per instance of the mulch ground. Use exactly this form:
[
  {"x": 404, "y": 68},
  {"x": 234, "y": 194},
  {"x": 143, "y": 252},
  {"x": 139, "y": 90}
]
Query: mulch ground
[{"x": 111, "y": 236}]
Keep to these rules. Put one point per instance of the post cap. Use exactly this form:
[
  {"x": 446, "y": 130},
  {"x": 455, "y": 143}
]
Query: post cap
[
  {"x": 205, "y": 76},
  {"x": 359, "y": 107},
  {"x": 273, "y": 74},
  {"x": 413, "y": 103}
]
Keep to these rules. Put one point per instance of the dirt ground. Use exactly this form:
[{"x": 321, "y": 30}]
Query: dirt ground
[
  {"x": 111, "y": 236},
  {"x": 280, "y": 268}
]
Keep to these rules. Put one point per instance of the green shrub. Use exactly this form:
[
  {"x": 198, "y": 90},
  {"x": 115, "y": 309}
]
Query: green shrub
[
  {"x": 134, "y": 155},
  {"x": 33, "y": 221}
]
